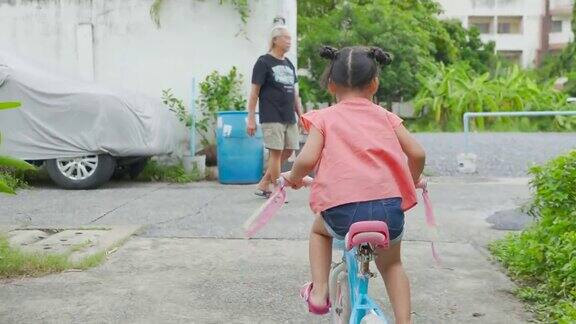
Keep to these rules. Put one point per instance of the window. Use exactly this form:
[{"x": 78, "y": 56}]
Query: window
[
  {"x": 510, "y": 25},
  {"x": 512, "y": 56},
  {"x": 484, "y": 24},
  {"x": 556, "y": 26},
  {"x": 484, "y": 28},
  {"x": 504, "y": 28}
]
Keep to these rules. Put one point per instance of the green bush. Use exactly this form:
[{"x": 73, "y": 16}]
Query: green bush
[
  {"x": 218, "y": 92},
  {"x": 543, "y": 257},
  {"x": 450, "y": 91},
  {"x": 8, "y": 181},
  {"x": 177, "y": 106}
]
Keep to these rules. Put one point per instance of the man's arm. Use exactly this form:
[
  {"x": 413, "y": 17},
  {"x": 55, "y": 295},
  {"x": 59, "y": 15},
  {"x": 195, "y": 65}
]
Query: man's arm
[
  {"x": 251, "y": 127},
  {"x": 297, "y": 102}
]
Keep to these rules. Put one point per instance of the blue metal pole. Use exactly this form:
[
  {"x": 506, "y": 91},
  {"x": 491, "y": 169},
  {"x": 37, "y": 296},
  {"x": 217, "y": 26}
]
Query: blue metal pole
[{"x": 193, "y": 115}]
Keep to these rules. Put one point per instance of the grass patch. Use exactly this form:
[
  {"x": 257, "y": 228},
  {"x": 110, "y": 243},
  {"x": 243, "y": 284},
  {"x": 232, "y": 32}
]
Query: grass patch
[
  {"x": 542, "y": 258},
  {"x": 17, "y": 263},
  {"x": 14, "y": 180},
  {"x": 22, "y": 179},
  {"x": 91, "y": 261},
  {"x": 155, "y": 172}
]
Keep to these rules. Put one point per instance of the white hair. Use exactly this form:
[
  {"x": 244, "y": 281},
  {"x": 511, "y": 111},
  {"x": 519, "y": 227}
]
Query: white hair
[{"x": 275, "y": 32}]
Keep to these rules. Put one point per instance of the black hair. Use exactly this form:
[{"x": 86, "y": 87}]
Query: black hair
[{"x": 354, "y": 67}]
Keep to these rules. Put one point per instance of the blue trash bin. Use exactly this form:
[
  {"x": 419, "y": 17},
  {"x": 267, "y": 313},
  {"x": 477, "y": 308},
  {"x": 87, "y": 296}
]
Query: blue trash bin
[{"x": 240, "y": 157}]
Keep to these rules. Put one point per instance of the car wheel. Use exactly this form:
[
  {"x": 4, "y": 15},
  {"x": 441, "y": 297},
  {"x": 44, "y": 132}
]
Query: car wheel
[{"x": 86, "y": 172}]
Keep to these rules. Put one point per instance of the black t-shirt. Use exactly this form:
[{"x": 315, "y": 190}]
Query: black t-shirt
[{"x": 277, "y": 79}]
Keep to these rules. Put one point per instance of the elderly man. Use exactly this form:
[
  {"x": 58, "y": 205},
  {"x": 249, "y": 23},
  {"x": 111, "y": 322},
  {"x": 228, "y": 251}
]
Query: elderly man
[{"x": 274, "y": 87}]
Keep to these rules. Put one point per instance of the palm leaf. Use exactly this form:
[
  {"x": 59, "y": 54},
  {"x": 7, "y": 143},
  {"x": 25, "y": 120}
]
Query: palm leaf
[
  {"x": 437, "y": 108},
  {"x": 9, "y": 162},
  {"x": 9, "y": 105}
]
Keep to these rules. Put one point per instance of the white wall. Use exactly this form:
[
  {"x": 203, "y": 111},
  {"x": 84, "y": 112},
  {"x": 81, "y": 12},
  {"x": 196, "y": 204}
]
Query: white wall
[
  {"x": 196, "y": 38},
  {"x": 562, "y": 38},
  {"x": 561, "y": 3}
]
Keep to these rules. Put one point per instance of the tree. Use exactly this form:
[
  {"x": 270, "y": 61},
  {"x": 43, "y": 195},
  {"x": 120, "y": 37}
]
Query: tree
[
  {"x": 409, "y": 29},
  {"x": 374, "y": 23},
  {"x": 479, "y": 55}
]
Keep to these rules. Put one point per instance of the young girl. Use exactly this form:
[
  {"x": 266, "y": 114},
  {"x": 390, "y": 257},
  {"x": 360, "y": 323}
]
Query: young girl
[{"x": 366, "y": 165}]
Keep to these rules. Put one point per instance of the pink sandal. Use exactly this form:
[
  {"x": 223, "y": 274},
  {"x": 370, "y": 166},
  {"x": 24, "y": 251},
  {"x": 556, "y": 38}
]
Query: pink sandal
[{"x": 314, "y": 309}]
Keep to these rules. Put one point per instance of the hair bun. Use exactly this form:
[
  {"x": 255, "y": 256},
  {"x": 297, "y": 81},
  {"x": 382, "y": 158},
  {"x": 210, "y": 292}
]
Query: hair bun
[
  {"x": 380, "y": 56},
  {"x": 328, "y": 52}
]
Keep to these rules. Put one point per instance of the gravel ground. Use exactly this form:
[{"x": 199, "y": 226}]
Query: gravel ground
[{"x": 498, "y": 154}]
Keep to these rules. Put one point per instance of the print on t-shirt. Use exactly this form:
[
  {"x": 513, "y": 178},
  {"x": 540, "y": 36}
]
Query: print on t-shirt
[{"x": 283, "y": 74}]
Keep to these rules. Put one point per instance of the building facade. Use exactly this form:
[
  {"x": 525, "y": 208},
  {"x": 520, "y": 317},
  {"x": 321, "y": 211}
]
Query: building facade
[{"x": 523, "y": 30}]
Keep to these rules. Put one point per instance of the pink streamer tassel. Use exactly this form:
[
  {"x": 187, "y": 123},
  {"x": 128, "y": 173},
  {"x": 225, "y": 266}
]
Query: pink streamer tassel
[
  {"x": 435, "y": 253},
  {"x": 428, "y": 211},
  {"x": 431, "y": 222},
  {"x": 265, "y": 213}
]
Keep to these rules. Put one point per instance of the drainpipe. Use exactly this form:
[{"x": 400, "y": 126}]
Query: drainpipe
[{"x": 544, "y": 33}]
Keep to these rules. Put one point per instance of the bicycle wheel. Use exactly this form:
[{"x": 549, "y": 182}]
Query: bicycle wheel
[{"x": 372, "y": 318}]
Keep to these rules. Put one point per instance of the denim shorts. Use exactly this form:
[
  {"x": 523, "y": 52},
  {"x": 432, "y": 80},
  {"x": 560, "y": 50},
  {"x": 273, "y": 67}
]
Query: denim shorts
[{"x": 338, "y": 220}]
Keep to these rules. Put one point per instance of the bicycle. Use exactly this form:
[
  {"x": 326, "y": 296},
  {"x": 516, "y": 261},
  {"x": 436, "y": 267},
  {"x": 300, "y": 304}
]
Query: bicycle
[
  {"x": 349, "y": 278},
  {"x": 348, "y": 283}
]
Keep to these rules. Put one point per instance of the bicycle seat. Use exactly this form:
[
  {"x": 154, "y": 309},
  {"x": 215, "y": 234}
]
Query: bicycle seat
[{"x": 373, "y": 232}]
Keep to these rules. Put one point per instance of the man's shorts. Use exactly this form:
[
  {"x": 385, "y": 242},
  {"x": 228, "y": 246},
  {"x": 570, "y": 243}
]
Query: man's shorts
[{"x": 279, "y": 136}]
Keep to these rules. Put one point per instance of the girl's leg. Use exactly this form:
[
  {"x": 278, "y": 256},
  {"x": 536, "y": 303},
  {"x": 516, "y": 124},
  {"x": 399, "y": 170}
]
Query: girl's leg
[
  {"x": 320, "y": 259},
  {"x": 390, "y": 266}
]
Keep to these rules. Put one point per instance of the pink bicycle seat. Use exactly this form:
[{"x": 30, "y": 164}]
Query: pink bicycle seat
[{"x": 373, "y": 232}]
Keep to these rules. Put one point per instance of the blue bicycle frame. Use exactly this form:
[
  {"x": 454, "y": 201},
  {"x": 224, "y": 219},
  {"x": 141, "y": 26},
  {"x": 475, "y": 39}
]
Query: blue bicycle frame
[{"x": 360, "y": 303}]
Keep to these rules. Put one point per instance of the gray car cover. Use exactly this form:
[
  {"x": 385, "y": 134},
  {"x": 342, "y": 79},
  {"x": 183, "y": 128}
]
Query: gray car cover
[{"x": 61, "y": 117}]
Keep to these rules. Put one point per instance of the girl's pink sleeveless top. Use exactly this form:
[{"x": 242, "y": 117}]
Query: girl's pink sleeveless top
[{"x": 362, "y": 159}]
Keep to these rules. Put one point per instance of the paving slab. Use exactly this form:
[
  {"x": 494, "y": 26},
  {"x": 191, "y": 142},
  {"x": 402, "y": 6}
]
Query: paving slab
[
  {"x": 79, "y": 242},
  {"x": 5, "y": 228}
]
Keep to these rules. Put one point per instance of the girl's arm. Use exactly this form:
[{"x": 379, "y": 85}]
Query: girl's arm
[
  {"x": 413, "y": 150},
  {"x": 307, "y": 159}
]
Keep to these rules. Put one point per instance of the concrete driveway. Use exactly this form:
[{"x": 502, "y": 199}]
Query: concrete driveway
[{"x": 192, "y": 265}]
